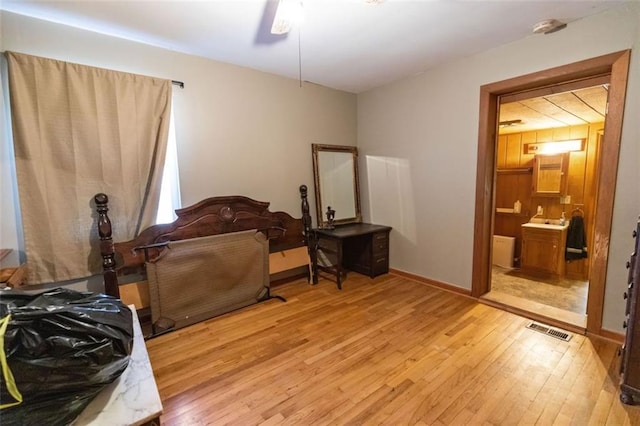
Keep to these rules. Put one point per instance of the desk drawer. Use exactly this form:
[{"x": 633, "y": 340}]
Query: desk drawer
[
  {"x": 380, "y": 244},
  {"x": 380, "y": 266},
  {"x": 380, "y": 254},
  {"x": 381, "y": 238}
]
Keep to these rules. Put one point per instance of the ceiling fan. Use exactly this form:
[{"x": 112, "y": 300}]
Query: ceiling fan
[{"x": 290, "y": 13}]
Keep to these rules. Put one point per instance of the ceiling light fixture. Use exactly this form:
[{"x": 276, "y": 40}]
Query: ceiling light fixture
[
  {"x": 554, "y": 147},
  {"x": 288, "y": 14},
  {"x": 510, "y": 123}
]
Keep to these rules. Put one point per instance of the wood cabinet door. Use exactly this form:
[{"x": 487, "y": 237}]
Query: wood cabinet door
[{"x": 540, "y": 251}]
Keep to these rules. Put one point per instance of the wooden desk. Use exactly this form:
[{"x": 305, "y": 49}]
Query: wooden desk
[{"x": 359, "y": 247}]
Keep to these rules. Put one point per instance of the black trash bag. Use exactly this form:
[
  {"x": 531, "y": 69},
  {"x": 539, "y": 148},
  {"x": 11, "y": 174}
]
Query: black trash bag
[{"x": 63, "y": 347}]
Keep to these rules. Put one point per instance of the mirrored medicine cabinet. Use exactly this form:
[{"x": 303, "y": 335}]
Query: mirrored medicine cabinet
[{"x": 550, "y": 174}]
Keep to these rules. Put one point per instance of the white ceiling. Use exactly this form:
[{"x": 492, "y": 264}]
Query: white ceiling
[{"x": 350, "y": 45}]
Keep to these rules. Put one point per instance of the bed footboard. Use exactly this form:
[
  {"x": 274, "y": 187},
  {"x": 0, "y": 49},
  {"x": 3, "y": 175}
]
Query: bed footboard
[
  {"x": 197, "y": 279},
  {"x": 212, "y": 216}
]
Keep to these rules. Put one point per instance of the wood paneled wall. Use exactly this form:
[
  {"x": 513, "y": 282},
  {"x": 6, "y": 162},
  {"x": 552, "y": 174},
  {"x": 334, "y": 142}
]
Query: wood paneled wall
[{"x": 514, "y": 182}]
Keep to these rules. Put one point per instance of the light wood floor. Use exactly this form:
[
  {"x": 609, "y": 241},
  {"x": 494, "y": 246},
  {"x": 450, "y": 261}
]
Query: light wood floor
[{"x": 384, "y": 351}]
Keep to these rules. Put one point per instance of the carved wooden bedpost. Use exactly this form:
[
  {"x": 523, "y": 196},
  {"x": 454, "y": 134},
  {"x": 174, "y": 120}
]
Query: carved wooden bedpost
[
  {"x": 106, "y": 247},
  {"x": 309, "y": 236}
]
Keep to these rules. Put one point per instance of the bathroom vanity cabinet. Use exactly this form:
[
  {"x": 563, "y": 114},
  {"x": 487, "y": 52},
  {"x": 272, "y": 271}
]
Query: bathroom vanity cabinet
[
  {"x": 630, "y": 352},
  {"x": 543, "y": 249}
]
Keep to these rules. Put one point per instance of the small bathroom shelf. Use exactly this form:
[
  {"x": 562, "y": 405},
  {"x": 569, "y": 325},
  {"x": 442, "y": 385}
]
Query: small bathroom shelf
[
  {"x": 521, "y": 214},
  {"x": 515, "y": 170}
]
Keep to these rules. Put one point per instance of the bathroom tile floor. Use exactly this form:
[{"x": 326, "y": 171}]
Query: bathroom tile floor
[{"x": 565, "y": 294}]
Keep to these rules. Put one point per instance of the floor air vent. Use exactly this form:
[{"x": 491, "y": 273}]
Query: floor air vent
[{"x": 553, "y": 332}]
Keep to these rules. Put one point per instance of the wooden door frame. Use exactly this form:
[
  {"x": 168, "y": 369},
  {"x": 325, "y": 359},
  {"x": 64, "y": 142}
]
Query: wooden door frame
[{"x": 617, "y": 66}]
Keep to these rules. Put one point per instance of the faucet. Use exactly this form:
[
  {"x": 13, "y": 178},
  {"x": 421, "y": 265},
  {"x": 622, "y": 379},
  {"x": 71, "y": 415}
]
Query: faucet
[{"x": 538, "y": 213}]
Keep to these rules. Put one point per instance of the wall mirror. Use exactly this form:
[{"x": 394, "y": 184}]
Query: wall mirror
[
  {"x": 550, "y": 174},
  {"x": 335, "y": 173}
]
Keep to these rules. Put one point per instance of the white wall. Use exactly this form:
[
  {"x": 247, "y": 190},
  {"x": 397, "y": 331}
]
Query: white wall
[
  {"x": 418, "y": 143},
  {"x": 239, "y": 131}
]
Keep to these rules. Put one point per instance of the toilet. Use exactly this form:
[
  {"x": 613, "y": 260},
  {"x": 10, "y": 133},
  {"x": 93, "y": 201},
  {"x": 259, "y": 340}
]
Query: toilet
[{"x": 503, "y": 251}]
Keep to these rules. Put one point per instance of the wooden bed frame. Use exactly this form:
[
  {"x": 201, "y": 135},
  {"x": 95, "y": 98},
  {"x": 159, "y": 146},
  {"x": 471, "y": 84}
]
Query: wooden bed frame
[{"x": 212, "y": 216}]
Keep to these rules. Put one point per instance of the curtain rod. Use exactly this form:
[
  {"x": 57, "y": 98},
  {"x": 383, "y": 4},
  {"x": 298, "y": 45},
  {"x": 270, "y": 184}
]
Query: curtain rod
[{"x": 174, "y": 82}]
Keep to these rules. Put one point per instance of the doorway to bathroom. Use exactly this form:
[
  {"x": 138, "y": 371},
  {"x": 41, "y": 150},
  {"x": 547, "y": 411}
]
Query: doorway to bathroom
[
  {"x": 545, "y": 83},
  {"x": 547, "y": 162}
]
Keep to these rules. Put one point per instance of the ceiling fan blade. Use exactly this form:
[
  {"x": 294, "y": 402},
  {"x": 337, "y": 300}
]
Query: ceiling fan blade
[{"x": 288, "y": 13}]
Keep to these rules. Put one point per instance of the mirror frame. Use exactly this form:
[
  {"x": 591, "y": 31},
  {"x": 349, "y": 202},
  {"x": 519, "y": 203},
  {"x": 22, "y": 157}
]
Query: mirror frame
[
  {"x": 564, "y": 174},
  {"x": 320, "y": 208}
]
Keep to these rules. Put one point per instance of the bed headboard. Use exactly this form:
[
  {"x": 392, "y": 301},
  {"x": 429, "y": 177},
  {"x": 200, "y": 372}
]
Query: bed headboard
[{"x": 212, "y": 216}]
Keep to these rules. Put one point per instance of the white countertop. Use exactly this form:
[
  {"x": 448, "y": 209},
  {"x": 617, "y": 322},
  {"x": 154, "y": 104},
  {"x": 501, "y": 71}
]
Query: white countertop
[
  {"x": 133, "y": 398},
  {"x": 545, "y": 226}
]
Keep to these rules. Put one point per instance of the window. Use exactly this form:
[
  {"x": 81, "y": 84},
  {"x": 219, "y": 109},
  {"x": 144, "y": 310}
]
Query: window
[{"x": 170, "y": 187}]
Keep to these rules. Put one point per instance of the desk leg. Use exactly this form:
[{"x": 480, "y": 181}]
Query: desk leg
[
  {"x": 314, "y": 271},
  {"x": 339, "y": 266},
  {"x": 313, "y": 254}
]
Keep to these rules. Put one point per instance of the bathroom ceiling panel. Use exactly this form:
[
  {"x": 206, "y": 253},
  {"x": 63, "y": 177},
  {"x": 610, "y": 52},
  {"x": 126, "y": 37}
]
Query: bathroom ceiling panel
[
  {"x": 595, "y": 97},
  {"x": 549, "y": 109},
  {"x": 575, "y": 105},
  {"x": 572, "y": 108},
  {"x": 529, "y": 119}
]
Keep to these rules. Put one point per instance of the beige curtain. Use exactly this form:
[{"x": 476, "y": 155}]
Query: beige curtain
[{"x": 77, "y": 131}]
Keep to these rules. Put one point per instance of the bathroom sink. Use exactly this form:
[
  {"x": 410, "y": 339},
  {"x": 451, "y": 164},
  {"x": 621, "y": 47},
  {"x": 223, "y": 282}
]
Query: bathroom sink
[{"x": 545, "y": 226}]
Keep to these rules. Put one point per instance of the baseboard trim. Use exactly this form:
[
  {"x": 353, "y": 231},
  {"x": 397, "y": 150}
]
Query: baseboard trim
[
  {"x": 433, "y": 283},
  {"x": 608, "y": 335}
]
